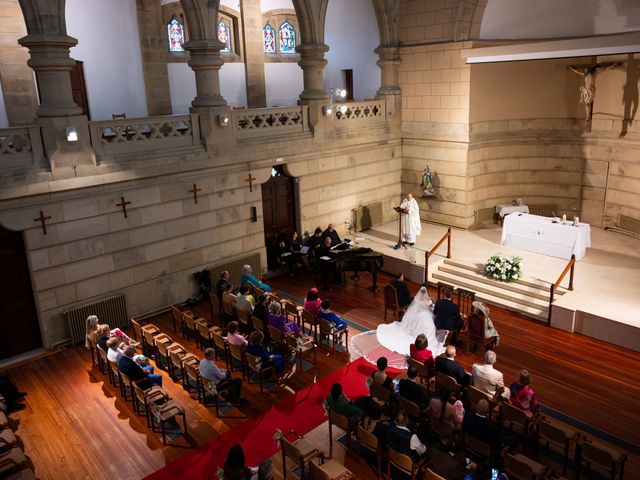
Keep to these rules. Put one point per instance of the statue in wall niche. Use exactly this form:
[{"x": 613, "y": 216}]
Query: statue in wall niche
[
  {"x": 426, "y": 183},
  {"x": 588, "y": 89}
]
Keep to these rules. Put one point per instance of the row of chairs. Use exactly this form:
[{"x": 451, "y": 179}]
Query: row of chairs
[{"x": 13, "y": 462}]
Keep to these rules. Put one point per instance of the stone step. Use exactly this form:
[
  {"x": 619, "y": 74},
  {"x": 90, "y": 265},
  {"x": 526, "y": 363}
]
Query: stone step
[{"x": 533, "y": 283}]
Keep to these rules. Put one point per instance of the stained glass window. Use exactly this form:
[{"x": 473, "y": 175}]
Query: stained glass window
[
  {"x": 269, "y": 39},
  {"x": 287, "y": 36},
  {"x": 224, "y": 35},
  {"x": 175, "y": 32}
]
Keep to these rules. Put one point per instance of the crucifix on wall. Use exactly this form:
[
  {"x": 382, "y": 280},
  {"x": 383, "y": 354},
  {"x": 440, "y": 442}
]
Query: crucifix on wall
[
  {"x": 195, "y": 191},
  {"x": 43, "y": 221},
  {"x": 588, "y": 89},
  {"x": 250, "y": 179},
  {"x": 123, "y": 204}
]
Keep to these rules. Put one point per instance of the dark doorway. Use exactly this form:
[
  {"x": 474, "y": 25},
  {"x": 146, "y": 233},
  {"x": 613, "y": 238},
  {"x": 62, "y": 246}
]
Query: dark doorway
[
  {"x": 278, "y": 211},
  {"x": 79, "y": 88},
  {"x": 19, "y": 328},
  {"x": 347, "y": 78}
]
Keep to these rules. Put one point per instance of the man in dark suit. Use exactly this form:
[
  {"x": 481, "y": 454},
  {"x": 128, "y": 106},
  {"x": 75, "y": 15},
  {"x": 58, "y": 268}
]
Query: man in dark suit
[
  {"x": 131, "y": 369},
  {"x": 447, "y": 315},
  {"x": 404, "y": 297},
  {"x": 477, "y": 424},
  {"x": 327, "y": 267},
  {"x": 446, "y": 364},
  {"x": 315, "y": 240},
  {"x": 224, "y": 278},
  {"x": 402, "y": 440},
  {"x": 412, "y": 391},
  {"x": 331, "y": 233}
]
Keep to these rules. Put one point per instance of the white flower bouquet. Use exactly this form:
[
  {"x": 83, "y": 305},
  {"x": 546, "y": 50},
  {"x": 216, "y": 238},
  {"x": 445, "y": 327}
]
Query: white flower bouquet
[{"x": 504, "y": 269}]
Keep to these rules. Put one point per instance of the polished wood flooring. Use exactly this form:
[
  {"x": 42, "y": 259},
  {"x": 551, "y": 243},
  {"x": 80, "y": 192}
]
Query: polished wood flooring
[{"x": 76, "y": 425}]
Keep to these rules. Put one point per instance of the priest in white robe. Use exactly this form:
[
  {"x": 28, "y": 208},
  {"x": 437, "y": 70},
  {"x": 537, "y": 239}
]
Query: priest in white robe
[{"x": 411, "y": 226}]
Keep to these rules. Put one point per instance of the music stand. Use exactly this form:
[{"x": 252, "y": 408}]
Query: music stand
[{"x": 401, "y": 212}]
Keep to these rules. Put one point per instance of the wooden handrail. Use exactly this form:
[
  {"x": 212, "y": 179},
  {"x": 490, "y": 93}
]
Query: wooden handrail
[
  {"x": 552, "y": 288},
  {"x": 447, "y": 236}
]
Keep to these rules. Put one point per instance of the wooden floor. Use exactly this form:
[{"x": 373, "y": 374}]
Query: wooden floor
[{"x": 76, "y": 423}]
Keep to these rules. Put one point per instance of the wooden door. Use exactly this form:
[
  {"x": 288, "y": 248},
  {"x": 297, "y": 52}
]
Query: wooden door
[
  {"x": 278, "y": 211},
  {"x": 19, "y": 328},
  {"x": 79, "y": 88}
]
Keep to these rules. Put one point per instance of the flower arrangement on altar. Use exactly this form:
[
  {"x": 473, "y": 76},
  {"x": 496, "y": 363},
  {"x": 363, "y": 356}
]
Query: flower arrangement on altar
[{"x": 505, "y": 269}]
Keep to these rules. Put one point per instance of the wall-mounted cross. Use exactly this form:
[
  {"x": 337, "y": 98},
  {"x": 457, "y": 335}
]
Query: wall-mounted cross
[
  {"x": 195, "y": 191},
  {"x": 250, "y": 179},
  {"x": 123, "y": 204},
  {"x": 43, "y": 221}
]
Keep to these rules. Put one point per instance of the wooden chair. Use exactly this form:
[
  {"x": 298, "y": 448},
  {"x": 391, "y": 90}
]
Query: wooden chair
[
  {"x": 311, "y": 320},
  {"x": 176, "y": 352},
  {"x": 301, "y": 451},
  {"x": 554, "y": 436},
  {"x": 465, "y": 302},
  {"x": 220, "y": 347},
  {"x": 477, "y": 449},
  {"x": 278, "y": 338},
  {"x": 367, "y": 440},
  {"x": 426, "y": 373},
  {"x": 442, "y": 430},
  {"x": 228, "y": 307},
  {"x": 176, "y": 316},
  {"x": 343, "y": 424},
  {"x": 11, "y": 461},
  {"x": 257, "y": 323},
  {"x": 597, "y": 457},
  {"x": 441, "y": 287},
  {"x": 216, "y": 308},
  {"x": 165, "y": 412},
  {"x": 328, "y": 330},
  {"x": 127, "y": 389},
  {"x": 192, "y": 377},
  {"x": 381, "y": 393},
  {"x": 292, "y": 312},
  {"x": 205, "y": 334},
  {"x": 255, "y": 364},
  {"x": 114, "y": 375},
  {"x": 163, "y": 359},
  {"x": 391, "y": 303},
  {"x": 190, "y": 330},
  {"x": 103, "y": 363},
  {"x": 186, "y": 359},
  {"x": 139, "y": 331},
  {"x": 431, "y": 475},
  {"x": 404, "y": 463},
  {"x": 519, "y": 467},
  {"x": 474, "y": 395},
  {"x": 214, "y": 392},
  {"x": 412, "y": 409},
  {"x": 7, "y": 439},
  {"x": 329, "y": 470},
  {"x": 237, "y": 353},
  {"x": 301, "y": 348},
  {"x": 517, "y": 421},
  {"x": 450, "y": 382}
]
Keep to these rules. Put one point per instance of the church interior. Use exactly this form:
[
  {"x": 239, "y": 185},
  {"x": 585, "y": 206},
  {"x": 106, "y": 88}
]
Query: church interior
[{"x": 164, "y": 161}]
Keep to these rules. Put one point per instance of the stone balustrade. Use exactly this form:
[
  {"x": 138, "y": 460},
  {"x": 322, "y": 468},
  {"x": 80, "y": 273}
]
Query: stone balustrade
[
  {"x": 126, "y": 136},
  {"x": 262, "y": 122},
  {"x": 360, "y": 111},
  {"x": 20, "y": 147}
]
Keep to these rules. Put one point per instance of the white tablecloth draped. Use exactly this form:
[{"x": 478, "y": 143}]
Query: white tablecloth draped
[
  {"x": 540, "y": 235},
  {"x": 507, "y": 208}
]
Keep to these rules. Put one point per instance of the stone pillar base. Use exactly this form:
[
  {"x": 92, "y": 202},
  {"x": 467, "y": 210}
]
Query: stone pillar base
[{"x": 218, "y": 139}]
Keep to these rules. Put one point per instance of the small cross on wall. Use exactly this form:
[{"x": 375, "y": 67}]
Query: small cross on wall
[
  {"x": 195, "y": 191},
  {"x": 123, "y": 204},
  {"x": 250, "y": 179},
  {"x": 43, "y": 221}
]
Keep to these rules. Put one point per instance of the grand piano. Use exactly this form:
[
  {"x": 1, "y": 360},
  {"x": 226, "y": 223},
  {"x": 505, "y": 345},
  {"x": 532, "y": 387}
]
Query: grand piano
[{"x": 356, "y": 260}]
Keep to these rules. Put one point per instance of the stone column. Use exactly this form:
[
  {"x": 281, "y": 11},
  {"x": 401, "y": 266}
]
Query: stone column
[
  {"x": 205, "y": 61},
  {"x": 312, "y": 62},
  {"x": 253, "y": 53},
  {"x": 389, "y": 64}
]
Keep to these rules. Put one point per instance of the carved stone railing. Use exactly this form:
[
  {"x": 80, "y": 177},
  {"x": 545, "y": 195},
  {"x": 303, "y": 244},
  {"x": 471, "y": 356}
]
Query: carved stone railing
[
  {"x": 261, "y": 122},
  {"x": 119, "y": 137},
  {"x": 360, "y": 111},
  {"x": 20, "y": 146}
]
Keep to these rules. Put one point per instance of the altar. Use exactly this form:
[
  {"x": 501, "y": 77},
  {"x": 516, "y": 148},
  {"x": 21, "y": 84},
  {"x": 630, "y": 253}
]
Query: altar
[{"x": 546, "y": 236}]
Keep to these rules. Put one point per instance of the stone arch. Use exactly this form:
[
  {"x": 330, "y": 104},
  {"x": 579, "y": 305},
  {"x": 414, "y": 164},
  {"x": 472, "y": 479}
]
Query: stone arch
[
  {"x": 311, "y": 17},
  {"x": 44, "y": 16},
  {"x": 200, "y": 16},
  {"x": 387, "y": 16},
  {"x": 469, "y": 20}
]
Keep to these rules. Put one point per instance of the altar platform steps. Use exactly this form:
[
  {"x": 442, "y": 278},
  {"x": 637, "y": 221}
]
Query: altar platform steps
[{"x": 528, "y": 296}]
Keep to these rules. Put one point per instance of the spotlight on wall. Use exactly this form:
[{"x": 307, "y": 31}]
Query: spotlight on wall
[
  {"x": 327, "y": 110},
  {"x": 72, "y": 134},
  {"x": 223, "y": 120},
  {"x": 343, "y": 109},
  {"x": 341, "y": 92}
]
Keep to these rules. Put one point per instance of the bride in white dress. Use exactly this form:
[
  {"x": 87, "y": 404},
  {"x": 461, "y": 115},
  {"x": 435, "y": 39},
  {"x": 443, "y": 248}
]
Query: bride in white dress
[{"x": 418, "y": 318}]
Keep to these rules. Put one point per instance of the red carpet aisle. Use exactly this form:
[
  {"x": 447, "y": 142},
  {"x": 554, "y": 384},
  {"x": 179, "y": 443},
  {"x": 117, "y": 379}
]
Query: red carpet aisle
[{"x": 301, "y": 412}]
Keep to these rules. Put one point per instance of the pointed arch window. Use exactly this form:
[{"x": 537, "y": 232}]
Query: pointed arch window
[
  {"x": 269, "y": 39},
  {"x": 287, "y": 38},
  {"x": 175, "y": 31},
  {"x": 224, "y": 35}
]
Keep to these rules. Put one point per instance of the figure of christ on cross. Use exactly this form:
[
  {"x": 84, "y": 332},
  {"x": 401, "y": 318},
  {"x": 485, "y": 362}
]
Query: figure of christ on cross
[{"x": 588, "y": 90}]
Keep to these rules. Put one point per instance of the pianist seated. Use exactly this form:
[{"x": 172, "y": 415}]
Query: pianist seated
[
  {"x": 332, "y": 234},
  {"x": 326, "y": 263},
  {"x": 286, "y": 256},
  {"x": 249, "y": 278}
]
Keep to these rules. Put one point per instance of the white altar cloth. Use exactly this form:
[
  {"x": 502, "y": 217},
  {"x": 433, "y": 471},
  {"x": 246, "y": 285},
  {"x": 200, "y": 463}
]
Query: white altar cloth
[
  {"x": 507, "y": 208},
  {"x": 540, "y": 235}
]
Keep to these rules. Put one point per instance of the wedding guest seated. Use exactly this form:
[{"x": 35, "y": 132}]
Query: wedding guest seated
[
  {"x": 228, "y": 295},
  {"x": 332, "y": 234},
  {"x": 380, "y": 376},
  {"x": 447, "y": 407},
  {"x": 261, "y": 310},
  {"x": 116, "y": 351},
  {"x": 404, "y": 296},
  {"x": 265, "y": 470},
  {"x": 338, "y": 402},
  {"x": 210, "y": 372},
  {"x": 402, "y": 440},
  {"x": 102, "y": 334},
  {"x": 419, "y": 351},
  {"x": 312, "y": 302},
  {"x": 332, "y": 317},
  {"x": 134, "y": 371},
  {"x": 446, "y": 364},
  {"x": 523, "y": 396},
  {"x": 244, "y": 301},
  {"x": 276, "y": 319},
  {"x": 235, "y": 467},
  {"x": 315, "y": 240},
  {"x": 224, "y": 278},
  {"x": 478, "y": 425},
  {"x": 447, "y": 315},
  {"x": 409, "y": 389},
  {"x": 91, "y": 330},
  {"x": 257, "y": 349},
  {"x": 375, "y": 421},
  {"x": 233, "y": 335},
  {"x": 249, "y": 277},
  {"x": 487, "y": 379},
  {"x": 480, "y": 316}
]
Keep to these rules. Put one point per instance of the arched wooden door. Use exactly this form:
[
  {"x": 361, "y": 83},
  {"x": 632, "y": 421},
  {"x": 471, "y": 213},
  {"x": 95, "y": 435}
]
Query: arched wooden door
[
  {"x": 278, "y": 211},
  {"x": 19, "y": 327}
]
